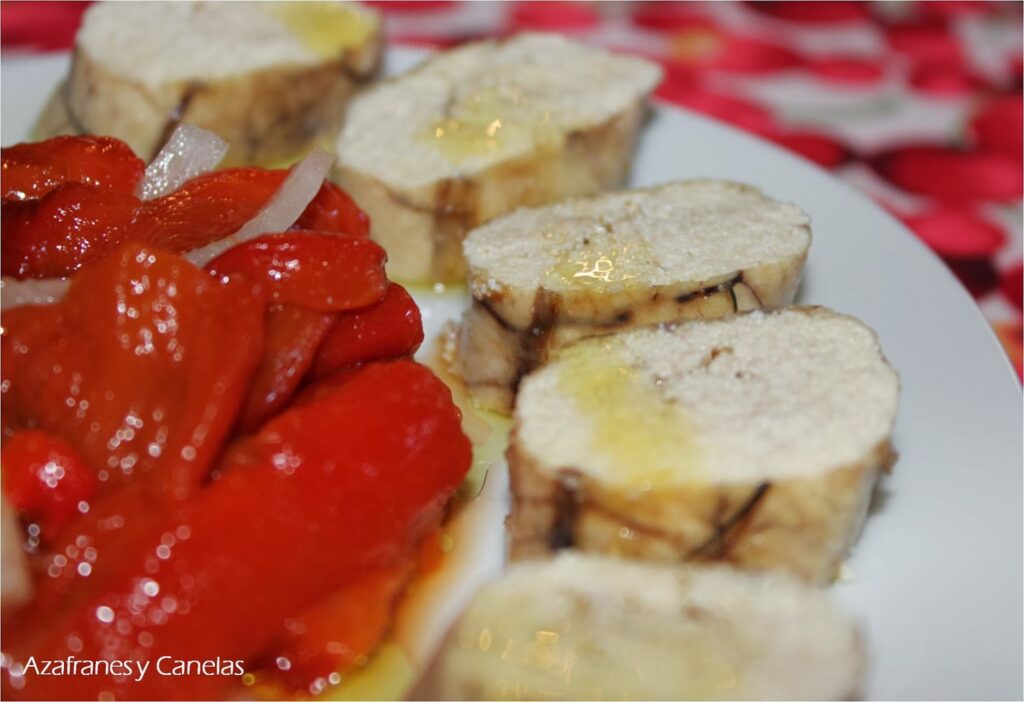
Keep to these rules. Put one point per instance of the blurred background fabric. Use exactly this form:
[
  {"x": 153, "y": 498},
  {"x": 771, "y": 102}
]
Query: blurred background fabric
[{"x": 918, "y": 104}]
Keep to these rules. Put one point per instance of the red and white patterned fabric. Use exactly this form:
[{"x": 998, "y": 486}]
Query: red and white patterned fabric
[{"x": 917, "y": 103}]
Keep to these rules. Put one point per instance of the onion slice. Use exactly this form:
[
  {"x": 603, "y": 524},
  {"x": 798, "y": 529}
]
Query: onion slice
[
  {"x": 281, "y": 212},
  {"x": 32, "y": 291},
  {"x": 189, "y": 152}
]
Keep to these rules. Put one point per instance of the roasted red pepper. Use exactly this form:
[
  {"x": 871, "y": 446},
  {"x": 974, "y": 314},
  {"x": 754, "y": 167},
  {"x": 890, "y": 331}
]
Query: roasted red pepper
[
  {"x": 323, "y": 272},
  {"x": 332, "y": 210},
  {"x": 144, "y": 363},
  {"x": 85, "y": 187},
  {"x": 293, "y": 335},
  {"x": 214, "y": 205},
  {"x": 156, "y": 539},
  {"x": 390, "y": 329},
  {"x": 320, "y": 496},
  {"x": 307, "y": 276},
  {"x": 32, "y": 170},
  {"x": 206, "y": 209},
  {"x": 46, "y": 480},
  {"x": 86, "y": 553},
  {"x": 70, "y": 226},
  {"x": 340, "y": 633}
]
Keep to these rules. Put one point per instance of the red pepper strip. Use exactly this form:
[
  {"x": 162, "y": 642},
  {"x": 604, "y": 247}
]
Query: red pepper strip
[
  {"x": 86, "y": 555},
  {"x": 324, "y": 386},
  {"x": 293, "y": 335},
  {"x": 32, "y": 170},
  {"x": 71, "y": 225},
  {"x": 213, "y": 205},
  {"x": 206, "y": 209},
  {"x": 332, "y": 210},
  {"x": 315, "y": 274},
  {"x": 323, "y": 272},
  {"x": 320, "y": 496},
  {"x": 390, "y": 329},
  {"x": 338, "y": 634},
  {"x": 78, "y": 222},
  {"x": 45, "y": 479},
  {"x": 143, "y": 364}
]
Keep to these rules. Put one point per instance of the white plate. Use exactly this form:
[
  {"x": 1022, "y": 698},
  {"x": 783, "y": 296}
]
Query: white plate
[{"x": 938, "y": 571}]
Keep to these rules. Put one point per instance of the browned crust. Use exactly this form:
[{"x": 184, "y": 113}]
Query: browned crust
[
  {"x": 549, "y": 329},
  {"x": 266, "y": 116},
  {"x": 805, "y": 525}
]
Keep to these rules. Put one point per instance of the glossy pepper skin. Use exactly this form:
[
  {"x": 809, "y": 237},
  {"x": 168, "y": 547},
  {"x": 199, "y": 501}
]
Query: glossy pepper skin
[
  {"x": 308, "y": 277},
  {"x": 293, "y": 336},
  {"x": 318, "y": 271},
  {"x": 321, "y": 495},
  {"x": 46, "y": 480},
  {"x": 141, "y": 368},
  {"x": 207, "y": 208},
  {"x": 31, "y": 170},
  {"x": 332, "y": 210},
  {"x": 390, "y": 329},
  {"x": 70, "y": 200},
  {"x": 337, "y": 634},
  {"x": 192, "y": 543},
  {"x": 66, "y": 201},
  {"x": 213, "y": 205},
  {"x": 66, "y": 228}
]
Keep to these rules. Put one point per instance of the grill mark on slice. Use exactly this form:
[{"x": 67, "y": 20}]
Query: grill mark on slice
[
  {"x": 569, "y": 505},
  {"x": 753, "y": 292},
  {"x": 489, "y": 309},
  {"x": 732, "y": 293},
  {"x": 533, "y": 343},
  {"x": 563, "y": 531},
  {"x": 176, "y": 115},
  {"x": 725, "y": 286},
  {"x": 721, "y": 541},
  {"x": 453, "y": 218}
]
